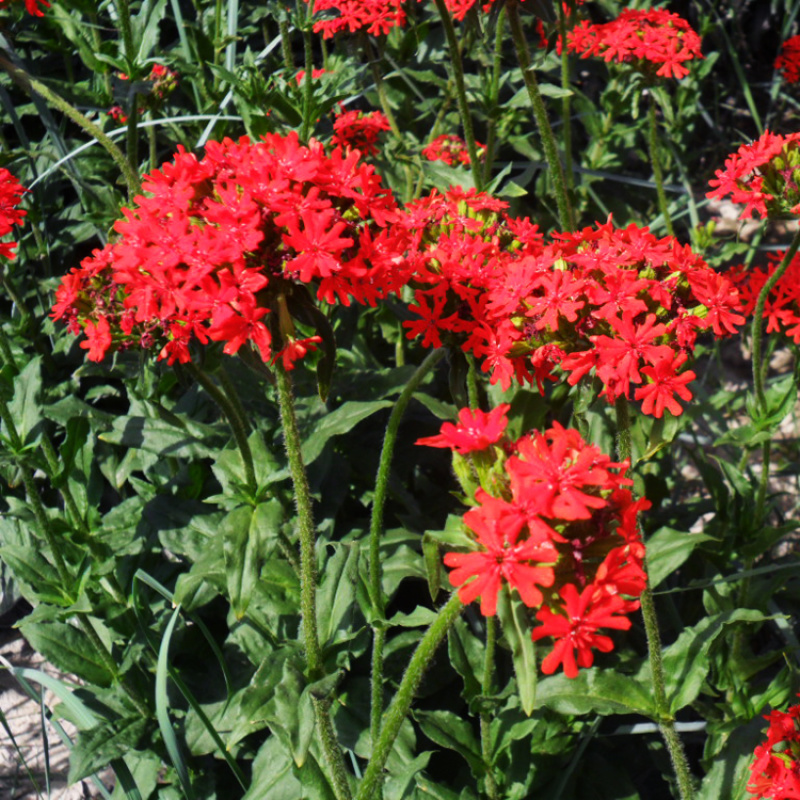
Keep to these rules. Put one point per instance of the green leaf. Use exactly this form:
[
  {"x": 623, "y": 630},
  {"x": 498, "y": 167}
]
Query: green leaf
[
  {"x": 433, "y": 564},
  {"x": 24, "y": 407},
  {"x": 70, "y": 649},
  {"x": 162, "y": 709},
  {"x": 729, "y": 773},
  {"x": 686, "y": 661},
  {"x": 162, "y": 438},
  {"x": 513, "y": 616},
  {"x": 99, "y": 746},
  {"x": 340, "y": 421},
  {"x": 40, "y": 576},
  {"x": 596, "y": 691},
  {"x": 290, "y": 712},
  {"x": 466, "y": 656},
  {"x": 667, "y": 549},
  {"x": 336, "y": 599},
  {"x": 455, "y": 733},
  {"x": 240, "y": 548}
]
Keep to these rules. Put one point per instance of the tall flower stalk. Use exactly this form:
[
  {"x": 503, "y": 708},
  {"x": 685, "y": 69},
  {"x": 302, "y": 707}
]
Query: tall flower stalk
[
  {"x": 376, "y": 531},
  {"x": 308, "y": 580},
  {"x": 666, "y": 721},
  {"x": 540, "y": 114}
]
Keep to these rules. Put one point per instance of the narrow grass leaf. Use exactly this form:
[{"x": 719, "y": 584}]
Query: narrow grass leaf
[{"x": 162, "y": 709}]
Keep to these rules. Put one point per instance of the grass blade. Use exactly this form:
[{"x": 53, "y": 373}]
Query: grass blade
[{"x": 162, "y": 708}]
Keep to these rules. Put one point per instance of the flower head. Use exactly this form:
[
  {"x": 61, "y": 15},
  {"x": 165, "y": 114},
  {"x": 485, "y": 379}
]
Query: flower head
[
  {"x": 451, "y": 149},
  {"x": 775, "y": 772},
  {"x": 554, "y": 522},
  {"x": 11, "y": 193},
  {"x": 223, "y": 248},
  {"x": 763, "y": 176},
  {"x": 375, "y": 16},
  {"x": 476, "y": 430},
  {"x": 359, "y": 130},
  {"x": 644, "y": 39},
  {"x": 788, "y": 61}
]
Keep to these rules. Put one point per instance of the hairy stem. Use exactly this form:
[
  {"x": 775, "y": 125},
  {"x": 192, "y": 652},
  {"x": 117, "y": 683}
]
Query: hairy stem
[
  {"x": 486, "y": 717},
  {"x": 31, "y": 85},
  {"x": 461, "y": 92},
  {"x": 376, "y": 530},
  {"x": 401, "y": 704},
  {"x": 666, "y": 722},
  {"x": 566, "y": 83},
  {"x": 308, "y": 579},
  {"x": 494, "y": 96},
  {"x": 540, "y": 113},
  {"x": 655, "y": 158}
]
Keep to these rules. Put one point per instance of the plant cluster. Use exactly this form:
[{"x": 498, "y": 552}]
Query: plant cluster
[{"x": 373, "y": 422}]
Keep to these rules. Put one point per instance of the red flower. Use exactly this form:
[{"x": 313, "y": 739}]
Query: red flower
[
  {"x": 98, "y": 339},
  {"x": 788, "y": 61},
  {"x": 451, "y": 149},
  {"x": 641, "y": 38},
  {"x": 31, "y": 6},
  {"x": 522, "y": 564},
  {"x": 666, "y": 382},
  {"x": 376, "y": 16},
  {"x": 476, "y": 430},
  {"x": 775, "y": 772},
  {"x": 11, "y": 193},
  {"x": 217, "y": 243},
  {"x": 359, "y": 130},
  {"x": 576, "y": 630},
  {"x": 763, "y": 175}
]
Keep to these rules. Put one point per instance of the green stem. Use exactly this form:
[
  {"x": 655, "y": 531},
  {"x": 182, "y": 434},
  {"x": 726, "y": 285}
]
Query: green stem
[
  {"x": 758, "y": 322},
  {"x": 486, "y": 719},
  {"x": 566, "y": 84},
  {"x": 473, "y": 397},
  {"x": 494, "y": 96},
  {"x": 461, "y": 92},
  {"x": 400, "y": 705},
  {"x": 308, "y": 79},
  {"x": 286, "y": 49},
  {"x": 308, "y": 578},
  {"x": 235, "y": 419},
  {"x": 124, "y": 14},
  {"x": 31, "y": 85},
  {"x": 540, "y": 113},
  {"x": 152, "y": 146},
  {"x": 376, "y": 530},
  {"x": 666, "y": 722},
  {"x": 132, "y": 135},
  {"x": 658, "y": 174},
  {"x": 383, "y": 99}
]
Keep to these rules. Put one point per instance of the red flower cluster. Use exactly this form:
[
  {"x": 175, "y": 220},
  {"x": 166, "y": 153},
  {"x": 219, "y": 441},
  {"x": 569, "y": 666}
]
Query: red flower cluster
[
  {"x": 775, "y": 773},
  {"x": 643, "y": 39},
  {"x": 10, "y": 196},
  {"x": 31, "y": 6},
  {"x": 762, "y": 175},
  {"x": 782, "y": 309},
  {"x": 376, "y": 16},
  {"x": 558, "y": 526},
  {"x": 789, "y": 60},
  {"x": 450, "y": 149},
  {"x": 220, "y": 242},
  {"x": 359, "y": 130},
  {"x": 620, "y": 303}
]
